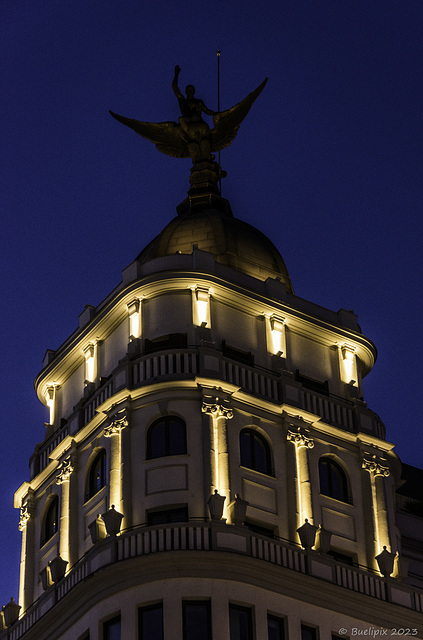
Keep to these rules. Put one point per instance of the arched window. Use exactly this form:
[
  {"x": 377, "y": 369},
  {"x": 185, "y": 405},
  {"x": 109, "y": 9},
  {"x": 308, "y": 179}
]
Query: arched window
[
  {"x": 166, "y": 437},
  {"x": 255, "y": 452},
  {"x": 97, "y": 475},
  {"x": 333, "y": 480},
  {"x": 50, "y": 521}
]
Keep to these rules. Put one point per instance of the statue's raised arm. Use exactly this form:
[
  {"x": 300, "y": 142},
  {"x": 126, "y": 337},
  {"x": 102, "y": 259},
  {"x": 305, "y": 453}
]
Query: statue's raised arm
[{"x": 191, "y": 136}]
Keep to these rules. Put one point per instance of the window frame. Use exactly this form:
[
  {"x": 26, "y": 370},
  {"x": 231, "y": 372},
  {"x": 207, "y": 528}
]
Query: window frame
[
  {"x": 250, "y": 623},
  {"x": 168, "y": 449},
  {"x": 313, "y": 630},
  {"x": 106, "y": 626},
  {"x": 142, "y": 610},
  {"x": 46, "y": 534},
  {"x": 92, "y": 487},
  {"x": 207, "y": 603},
  {"x": 255, "y": 436},
  {"x": 281, "y": 622},
  {"x": 333, "y": 469},
  {"x": 170, "y": 510}
]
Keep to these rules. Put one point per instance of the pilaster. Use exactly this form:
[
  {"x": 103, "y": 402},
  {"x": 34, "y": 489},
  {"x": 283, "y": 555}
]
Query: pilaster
[{"x": 219, "y": 412}]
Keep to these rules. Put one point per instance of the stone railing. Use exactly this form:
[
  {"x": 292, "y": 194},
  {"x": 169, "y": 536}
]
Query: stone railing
[
  {"x": 181, "y": 363},
  {"x": 188, "y": 363},
  {"x": 205, "y": 537},
  {"x": 104, "y": 392},
  {"x": 47, "y": 447}
]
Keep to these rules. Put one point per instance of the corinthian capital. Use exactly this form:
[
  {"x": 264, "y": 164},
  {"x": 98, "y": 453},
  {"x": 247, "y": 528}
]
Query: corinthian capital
[
  {"x": 24, "y": 517},
  {"x": 65, "y": 469},
  {"x": 116, "y": 426},
  {"x": 299, "y": 439},
  {"x": 374, "y": 465},
  {"x": 217, "y": 410}
]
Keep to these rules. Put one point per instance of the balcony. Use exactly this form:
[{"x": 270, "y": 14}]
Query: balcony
[
  {"x": 205, "y": 537},
  {"x": 188, "y": 363}
]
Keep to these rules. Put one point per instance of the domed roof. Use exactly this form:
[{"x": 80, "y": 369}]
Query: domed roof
[{"x": 233, "y": 242}]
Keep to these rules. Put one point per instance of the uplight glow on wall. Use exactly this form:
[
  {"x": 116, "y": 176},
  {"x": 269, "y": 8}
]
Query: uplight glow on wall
[
  {"x": 134, "y": 311},
  {"x": 348, "y": 365},
  {"x": 90, "y": 363},
  {"x": 276, "y": 332},
  {"x": 50, "y": 401},
  {"x": 201, "y": 307}
]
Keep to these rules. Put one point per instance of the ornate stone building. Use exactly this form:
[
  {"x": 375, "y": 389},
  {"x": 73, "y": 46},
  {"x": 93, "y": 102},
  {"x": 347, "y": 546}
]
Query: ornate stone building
[{"x": 210, "y": 467}]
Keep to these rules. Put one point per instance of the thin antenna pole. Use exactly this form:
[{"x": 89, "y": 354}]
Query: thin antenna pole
[{"x": 218, "y": 108}]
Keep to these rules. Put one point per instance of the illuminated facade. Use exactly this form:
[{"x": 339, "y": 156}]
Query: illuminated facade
[{"x": 210, "y": 468}]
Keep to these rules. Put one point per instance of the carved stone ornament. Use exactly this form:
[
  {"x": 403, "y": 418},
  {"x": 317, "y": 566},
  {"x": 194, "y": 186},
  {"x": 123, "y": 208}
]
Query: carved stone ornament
[
  {"x": 116, "y": 427},
  {"x": 299, "y": 439},
  {"x": 24, "y": 517},
  {"x": 217, "y": 410},
  {"x": 374, "y": 465},
  {"x": 65, "y": 470}
]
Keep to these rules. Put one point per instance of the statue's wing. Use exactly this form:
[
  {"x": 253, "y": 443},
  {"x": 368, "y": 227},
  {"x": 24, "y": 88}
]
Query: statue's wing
[
  {"x": 226, "y": 123},
  {"x": 167, "y": 136}
]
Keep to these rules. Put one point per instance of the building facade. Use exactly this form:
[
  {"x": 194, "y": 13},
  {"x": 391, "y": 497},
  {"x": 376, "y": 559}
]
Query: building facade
[{"x": 210, "y": 467}]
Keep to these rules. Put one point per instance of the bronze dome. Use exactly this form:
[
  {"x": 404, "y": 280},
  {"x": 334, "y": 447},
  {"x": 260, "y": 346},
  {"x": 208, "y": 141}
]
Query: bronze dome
[{"x": 233, "y": 242}]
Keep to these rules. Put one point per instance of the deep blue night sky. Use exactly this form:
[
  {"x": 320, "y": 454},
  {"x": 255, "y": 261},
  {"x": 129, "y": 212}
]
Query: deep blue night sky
[{"x": 328, "y": 164}]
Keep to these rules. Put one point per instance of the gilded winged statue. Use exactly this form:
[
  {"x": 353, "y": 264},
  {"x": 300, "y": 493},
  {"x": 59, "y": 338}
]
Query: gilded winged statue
[{"x": 192, "y": 137}]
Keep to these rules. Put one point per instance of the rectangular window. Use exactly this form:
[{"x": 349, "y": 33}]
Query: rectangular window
[
  {"x": 150, "y": 622},
  {"x": 168, "y": 516},
  {"x": 240, "y": 622},
  {"x": 275, "y": 628},
  {"x": 111, "y": 629},
  {"x": 308, "y": 633},
  {"x": 336, "y": 637},
  {"x": 196, "y": 620}
]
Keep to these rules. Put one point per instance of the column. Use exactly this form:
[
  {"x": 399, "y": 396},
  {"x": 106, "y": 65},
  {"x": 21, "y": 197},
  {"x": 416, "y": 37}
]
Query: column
[
  {"x": 26, "y": 525},
  {"x": 113, "y": 431},
  {"x": 378, "y": 471},
  {"x": 219, "y": 455},
  {"x": 63, "y": 478},
  {"x": 304, "y": 502}
]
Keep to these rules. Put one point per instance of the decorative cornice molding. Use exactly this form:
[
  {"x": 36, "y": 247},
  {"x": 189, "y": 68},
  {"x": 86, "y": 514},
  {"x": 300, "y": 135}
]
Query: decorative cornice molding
[
  {"x": 375, "y": 466},
  {"x": 300, "y": 439},
  {"x": 65, "y": 469}
]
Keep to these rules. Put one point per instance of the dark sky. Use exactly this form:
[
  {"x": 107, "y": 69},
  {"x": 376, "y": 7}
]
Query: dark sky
[{"x": 328, "y": 164}]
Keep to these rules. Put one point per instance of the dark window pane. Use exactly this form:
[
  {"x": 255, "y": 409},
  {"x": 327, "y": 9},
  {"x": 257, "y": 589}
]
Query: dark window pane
[
  {"x": 197, "y": 622},
  {"x": 176, "y": 437},
  {"x": 167, "y": 516},
  {"x": 333, "y": 481},
  {"x": 245, "y": 446},
  {"x": 51, "y": 521},
  {"x": 260, "y": 455},
  {"x": 254, "y": 451},
  {"x": 97, "y": 475},
  {"x": 150, "y": 622},
  {"x": 240, "y": 623},
  {"x": 275, "y": 628},
  {"x": 308, "y": 633},
  {"x": 158, "y": 440},
  {"x": 166, "y": 437},
  {"x": 111, "y": 629}
]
